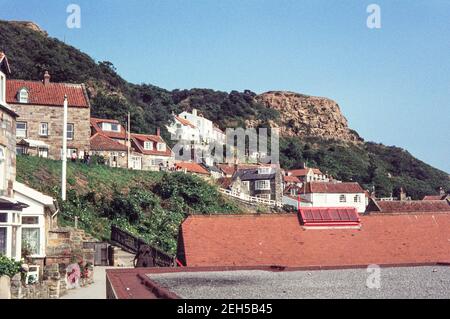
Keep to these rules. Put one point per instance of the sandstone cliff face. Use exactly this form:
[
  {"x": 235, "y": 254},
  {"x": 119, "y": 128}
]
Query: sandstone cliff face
[
  {"x": 30, "y": 25},
  {"x": 303, "y": 115}
]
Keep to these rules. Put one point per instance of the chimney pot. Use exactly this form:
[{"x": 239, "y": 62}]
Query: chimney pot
[{"x": 46, "y": 78}]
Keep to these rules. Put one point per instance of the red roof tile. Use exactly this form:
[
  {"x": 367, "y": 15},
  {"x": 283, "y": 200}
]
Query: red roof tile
[
  {"x": 95, "y": 124},
  {"x": 185, "y": 122},
  {"x": 413, "y": 206},
  {"x": 138, "y": 141},
  {"x": 192, "y": 168},
  {"x": 280, "y": 240},
  {"x": 291, "y": 179},
  {"x": 333, "y": 188},
  {"x": 100, "y": 142},
  {"x": 51, "y": 94},
  {"x": 304, "y": 171}
]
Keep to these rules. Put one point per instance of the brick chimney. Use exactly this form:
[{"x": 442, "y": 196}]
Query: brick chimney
[
  {"x": 46, "y": 78},
  {"x": 158, "y": 131},
  {"x": 402, "y": 194}
]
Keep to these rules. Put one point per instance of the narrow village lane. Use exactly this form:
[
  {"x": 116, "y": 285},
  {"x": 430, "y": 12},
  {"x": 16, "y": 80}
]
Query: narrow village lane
[{"x": 95, "y": 291}]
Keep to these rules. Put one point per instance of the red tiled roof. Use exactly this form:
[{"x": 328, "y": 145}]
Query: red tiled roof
[
  {"x": 433, "y": 197},
  {"x": 100, "y": 142},
  {"x": 139, "y": 139},
  {"x": 413, "y": 206},
  {"x": 280, "y": 240},
  {"x": 224, "y": 182},
  {"x": 192, "y": 168},
  {"x": 185, "y": 122},
  {"x": 333, "y": 188},
  {"x": 291, "y": 179},
  {"x": 329, "y": 216},
  {"x": 95, "y": 124},
  {"x": 51, "y": 94},
  {"x": 437, "y": 197},
  {"x": 304, "y": 171},
  {"x": 227, "y": 169}
]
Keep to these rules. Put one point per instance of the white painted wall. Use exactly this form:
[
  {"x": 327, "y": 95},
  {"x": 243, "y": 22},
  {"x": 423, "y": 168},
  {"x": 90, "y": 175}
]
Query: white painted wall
[{"x": 333, "y": 200}]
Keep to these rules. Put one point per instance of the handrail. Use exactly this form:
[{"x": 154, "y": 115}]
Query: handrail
[
  {"x": 250, "y": 199},
  {"x": 133, "y": 243}
]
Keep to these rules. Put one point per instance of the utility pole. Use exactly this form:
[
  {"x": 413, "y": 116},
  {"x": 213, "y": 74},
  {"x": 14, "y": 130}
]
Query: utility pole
[
  {"x": 129, "y": 140},
  {"x": 64, "y": 152}
]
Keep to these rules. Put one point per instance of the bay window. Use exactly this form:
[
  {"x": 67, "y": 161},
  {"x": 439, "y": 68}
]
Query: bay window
[{"x": 31, "y": 234}]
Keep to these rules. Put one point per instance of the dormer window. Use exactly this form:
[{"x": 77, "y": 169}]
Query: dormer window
[
  {"x": 111, "y": 127},
  {"x": 161, "y": 147},
  {"x": 23, "y": 95},
  {"x": 148, "y": 146},
  {"x": 264, "y": 170}
]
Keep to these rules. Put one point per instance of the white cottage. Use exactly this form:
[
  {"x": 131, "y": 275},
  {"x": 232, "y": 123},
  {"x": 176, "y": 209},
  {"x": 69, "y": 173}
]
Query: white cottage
[{"x": 320, "y": 194}]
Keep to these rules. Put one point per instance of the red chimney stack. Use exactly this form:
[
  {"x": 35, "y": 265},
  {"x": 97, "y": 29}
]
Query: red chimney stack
[{"x": 158, "y": 131}]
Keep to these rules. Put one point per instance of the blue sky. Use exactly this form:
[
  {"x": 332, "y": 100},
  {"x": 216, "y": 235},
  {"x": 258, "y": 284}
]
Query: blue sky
[{"x": 393, "y": 83}]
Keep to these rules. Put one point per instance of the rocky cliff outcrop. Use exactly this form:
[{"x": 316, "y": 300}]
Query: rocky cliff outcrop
[
  {"x": 303, "y": 115},
  {"x": 30, "y": 25}
]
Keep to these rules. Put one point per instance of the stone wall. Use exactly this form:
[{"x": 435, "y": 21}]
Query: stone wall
[
  {"x": 53, "y": 115},
  {"x": 8, "y": 142}
]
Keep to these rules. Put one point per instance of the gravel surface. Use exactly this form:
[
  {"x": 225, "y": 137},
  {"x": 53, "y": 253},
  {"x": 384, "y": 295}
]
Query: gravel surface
[{"x": 405, "y": 282}]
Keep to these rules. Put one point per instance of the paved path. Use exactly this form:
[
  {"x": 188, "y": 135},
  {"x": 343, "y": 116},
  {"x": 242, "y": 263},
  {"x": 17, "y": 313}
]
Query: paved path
[{"x": 95, "y": 291}]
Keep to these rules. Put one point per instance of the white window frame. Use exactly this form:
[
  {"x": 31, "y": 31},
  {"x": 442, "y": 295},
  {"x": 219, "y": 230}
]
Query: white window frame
[
  {"x": 136, "y": 162},
  {"x": 40, "y": 227},
  {"x": 161, "y": 147},
  {"x": 24, "y": 130},
  {"x": 342, "y": 198},
  {"x": 357, "y": 198},
  {"x": 146, "y": 144},
  {"x": 264, "y": 170},
  {"x": 43, "y": 129},
  {"x": 23, "y": 95},
  {"x": 70, "y": 133},
  {"x": 262, "y": 185}
]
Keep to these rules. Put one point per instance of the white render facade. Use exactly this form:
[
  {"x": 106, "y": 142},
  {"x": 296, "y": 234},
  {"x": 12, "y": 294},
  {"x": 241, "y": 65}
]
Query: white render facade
[{"x": 356, "y": 200}]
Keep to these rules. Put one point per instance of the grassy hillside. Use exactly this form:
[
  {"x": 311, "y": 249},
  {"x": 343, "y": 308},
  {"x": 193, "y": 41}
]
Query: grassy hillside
[
  {"x": 386, "y": 168},
  {"x": 149, "y": 204}
]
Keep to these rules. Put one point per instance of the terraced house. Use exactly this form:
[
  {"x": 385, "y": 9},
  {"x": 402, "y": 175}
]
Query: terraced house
[{"x": 39, "y": 105}]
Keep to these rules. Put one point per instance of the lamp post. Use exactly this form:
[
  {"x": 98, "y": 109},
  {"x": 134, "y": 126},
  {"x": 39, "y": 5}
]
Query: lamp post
[{"x": 64, "y": 152}]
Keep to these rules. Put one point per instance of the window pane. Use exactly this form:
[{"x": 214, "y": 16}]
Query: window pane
[
  {"x": 3, "y": 218},
  {"x": 2, "y": 240},
  {"x": 31, "y": 239},
  {"x": 30, "y": 220}
]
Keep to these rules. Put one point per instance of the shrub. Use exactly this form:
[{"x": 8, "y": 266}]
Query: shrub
[{"x": 8, "y": 267}]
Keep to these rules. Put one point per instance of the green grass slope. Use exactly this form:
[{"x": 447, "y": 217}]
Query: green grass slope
[{"x": 151, "y": 205}]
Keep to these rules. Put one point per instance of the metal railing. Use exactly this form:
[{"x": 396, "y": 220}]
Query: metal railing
[
  {"x": 132, "y": 244},
  {"x": 250, "y": 199}
]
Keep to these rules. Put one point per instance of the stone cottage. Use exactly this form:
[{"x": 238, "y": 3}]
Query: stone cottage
[{"x": 39, "y": 105}]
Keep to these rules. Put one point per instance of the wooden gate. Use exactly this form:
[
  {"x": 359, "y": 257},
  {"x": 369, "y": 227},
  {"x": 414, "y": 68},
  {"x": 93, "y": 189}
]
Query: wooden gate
[{"x": 100, "y": 252}]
